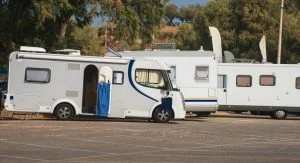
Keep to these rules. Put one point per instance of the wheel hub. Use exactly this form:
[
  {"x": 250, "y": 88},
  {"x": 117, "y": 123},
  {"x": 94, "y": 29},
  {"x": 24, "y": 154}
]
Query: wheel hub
[
  {"x": 64, "y": 112},
  {"x": 163, "y": 115},
  {"x": 280, "y": 113}
]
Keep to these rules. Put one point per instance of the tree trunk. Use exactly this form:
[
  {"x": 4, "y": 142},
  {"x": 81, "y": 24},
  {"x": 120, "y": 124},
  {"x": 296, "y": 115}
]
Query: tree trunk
[{"x": 62, "y": 32}]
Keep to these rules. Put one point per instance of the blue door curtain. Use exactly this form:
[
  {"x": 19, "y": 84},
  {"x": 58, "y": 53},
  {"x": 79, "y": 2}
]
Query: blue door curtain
[{"x": 103, "y": 99}]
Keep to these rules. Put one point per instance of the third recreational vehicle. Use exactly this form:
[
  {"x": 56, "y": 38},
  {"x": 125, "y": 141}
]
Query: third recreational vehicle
[
  {"x": 69, "y": 85},
  {"x": 195, "y": 73},
  {"x": 269, "y": 88}
]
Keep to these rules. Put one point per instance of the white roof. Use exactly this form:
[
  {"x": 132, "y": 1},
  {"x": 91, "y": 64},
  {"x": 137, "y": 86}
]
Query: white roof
[
  {"x": 165, "y": 54},
  {"x": 60, "y": 57}
]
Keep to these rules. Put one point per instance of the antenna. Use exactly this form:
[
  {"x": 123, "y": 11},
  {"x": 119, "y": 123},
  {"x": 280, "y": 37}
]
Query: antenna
[{"x": 114, "y": 52}]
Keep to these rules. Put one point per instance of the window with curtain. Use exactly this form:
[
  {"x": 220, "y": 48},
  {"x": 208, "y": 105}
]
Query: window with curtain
[
  {"x": 267, "y": 80},
  {"x": 243, "y": 81},
  {"x": 149, "y": 78}
]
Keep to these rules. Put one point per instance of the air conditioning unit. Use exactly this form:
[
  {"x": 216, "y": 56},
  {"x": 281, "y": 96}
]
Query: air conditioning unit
[
  {"x": 69, "y": 52},
  {"x": 32, "y": 49}
]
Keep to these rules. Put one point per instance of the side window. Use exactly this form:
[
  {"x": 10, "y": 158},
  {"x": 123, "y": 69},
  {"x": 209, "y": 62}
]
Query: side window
[
  {"x": 243, "y": 81},
  {"x": 173, "y": 71},
  {"x": 267, "y": 80},
  {"x": 149, "y": 78},
  {"x": 202, "y": 73},
  {"x": 297, "y": 82},
  {"x": 37, "y": 75},
  {"x": 118, "y": 77}
]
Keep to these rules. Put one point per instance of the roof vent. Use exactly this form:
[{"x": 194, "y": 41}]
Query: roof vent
[
  {"x": 32, "y": 49},
  {"x": 69, "y": 52}
]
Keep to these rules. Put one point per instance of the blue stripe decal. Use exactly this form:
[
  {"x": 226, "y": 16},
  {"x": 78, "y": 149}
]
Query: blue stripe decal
[
  {"x": 200, "y": 100},
  {"x": 131, "y": 82}
]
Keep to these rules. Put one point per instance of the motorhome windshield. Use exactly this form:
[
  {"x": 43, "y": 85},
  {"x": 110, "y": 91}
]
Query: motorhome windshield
[{"x": 173, "y": 81}]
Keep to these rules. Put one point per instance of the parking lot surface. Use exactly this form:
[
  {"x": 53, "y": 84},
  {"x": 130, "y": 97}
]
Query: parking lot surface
[{"x": 219, "y": 138}]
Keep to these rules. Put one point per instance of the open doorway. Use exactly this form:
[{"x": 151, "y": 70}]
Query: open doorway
[{"x": 90, "y": 85}]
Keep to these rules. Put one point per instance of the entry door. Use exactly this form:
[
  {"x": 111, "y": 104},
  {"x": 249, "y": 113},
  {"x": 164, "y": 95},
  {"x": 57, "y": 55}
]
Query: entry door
[{"x": 222, "y": 89}]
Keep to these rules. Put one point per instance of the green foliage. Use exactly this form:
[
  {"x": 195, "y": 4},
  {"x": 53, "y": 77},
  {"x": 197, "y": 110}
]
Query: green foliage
[
  {"x": 87, "y": 40},
  {"x": 187, "y": 14},
  {"x": 134, "y": 23},
  {"x": 243, "y": 23},
  {"x": 133, "y": 18},
  {"x": 171, "y": 13},
  {"x": 186, "y": 37}
]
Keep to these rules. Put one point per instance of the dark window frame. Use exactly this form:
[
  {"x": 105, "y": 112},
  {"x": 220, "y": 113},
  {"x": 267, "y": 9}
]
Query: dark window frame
[
  {"x": 296, "y": 83},
  {"x": 35, "y": 68},
  {"x": 122, "y": 77},
  {"x": 236, "y": 80},
  {"x": 273, "y": 76}
]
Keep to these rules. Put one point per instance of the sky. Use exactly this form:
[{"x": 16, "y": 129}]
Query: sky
[{"x": 188, "y": 2}]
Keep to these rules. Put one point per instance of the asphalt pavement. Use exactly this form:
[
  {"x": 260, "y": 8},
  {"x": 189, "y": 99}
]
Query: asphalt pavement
[{"x": 219, "y": 138}]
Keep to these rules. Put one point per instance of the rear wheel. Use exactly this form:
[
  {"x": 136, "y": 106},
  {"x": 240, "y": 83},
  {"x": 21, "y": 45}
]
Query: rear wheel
[
  {"x": 162, "y": 115},
  {"x": 238, "y": 112},
  {"x": 64, "y": 112},
  {"x": 279, "y": 114},
  {"x": 254, "y": 112}
]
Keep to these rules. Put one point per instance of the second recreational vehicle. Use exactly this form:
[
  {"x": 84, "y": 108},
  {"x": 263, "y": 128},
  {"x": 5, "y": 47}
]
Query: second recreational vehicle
[
  {"x": 195, "y": 73},
  {"x": 266, "y": 88},
  {"x": 69, "y": 85}
]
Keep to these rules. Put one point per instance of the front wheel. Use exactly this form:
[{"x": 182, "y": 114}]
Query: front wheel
[
  {"x": 162, "y": 115},
  {"x": 64, "y": 112},
  {"x": 279, "y": 114}
]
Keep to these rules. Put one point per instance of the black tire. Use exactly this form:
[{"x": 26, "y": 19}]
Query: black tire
[
  {"x": 238, "y": 112},
  {"x": 254, "y": 112},
  {"x": 279, "y": 114},
  {"x": 162, "y": 116},
  {"x": 64, "y": 112},
  {"x": 203, "y": 114}
]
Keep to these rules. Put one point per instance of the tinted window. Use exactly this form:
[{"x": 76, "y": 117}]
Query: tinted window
[
  {"x": 243, "y": 81},
  {"x": 298, "y": 83},
  {"x": 39, "y": 75},
  {"x": 267, "y": 80}
]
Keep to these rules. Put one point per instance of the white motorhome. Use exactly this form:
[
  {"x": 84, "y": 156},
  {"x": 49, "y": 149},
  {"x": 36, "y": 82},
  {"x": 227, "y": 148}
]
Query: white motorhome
[
  {"x": 271, "y": 89},
  {"x": 195, "y": 73},
  {"x": 69, "y": 85}
]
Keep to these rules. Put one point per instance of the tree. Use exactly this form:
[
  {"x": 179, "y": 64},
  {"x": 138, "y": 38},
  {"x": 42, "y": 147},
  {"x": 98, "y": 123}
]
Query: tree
[
  {"x": 87, "y": 40},
  {"x": 58, "y": 15},
  {"x": 243, "y": 23},
  {"x": 186, "y": 37},
  {"x": 133, "y": 18},
  {"x": 17, "y": 26},
  {"x": 187, "y": 14},
  {"x": 171, "y": 13}
]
